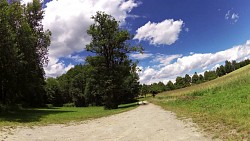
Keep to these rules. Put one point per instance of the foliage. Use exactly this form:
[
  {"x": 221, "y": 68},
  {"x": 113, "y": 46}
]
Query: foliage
[
  {"x": 23, "y": 49},
  {"x": 111, "y": 63},
  {"x": 209, "y": 75},
  {"x": 195, "y": 78}
]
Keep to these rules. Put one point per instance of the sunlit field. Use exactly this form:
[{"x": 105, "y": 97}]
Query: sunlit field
[{"x": 220, "y": 106}]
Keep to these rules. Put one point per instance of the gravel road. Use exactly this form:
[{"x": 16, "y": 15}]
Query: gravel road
[{"x": 147, "y": 123}]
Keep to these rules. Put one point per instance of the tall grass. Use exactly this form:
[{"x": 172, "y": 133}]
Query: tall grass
[{"x": 221, "y": 106}]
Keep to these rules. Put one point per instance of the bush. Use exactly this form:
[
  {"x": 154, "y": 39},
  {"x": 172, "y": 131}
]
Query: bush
[
  {"x": 69, "y": 105},
  {"x": 49, "y": 105}
]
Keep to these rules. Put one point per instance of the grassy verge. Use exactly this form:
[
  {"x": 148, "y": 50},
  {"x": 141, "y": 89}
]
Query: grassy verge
[
  {"x": 221, "y": 108},
  {"x": 57, "y": 115}
]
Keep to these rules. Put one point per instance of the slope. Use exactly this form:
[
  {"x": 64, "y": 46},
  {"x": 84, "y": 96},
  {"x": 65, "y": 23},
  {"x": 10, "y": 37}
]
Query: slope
[{"x": 220, "y": 106}]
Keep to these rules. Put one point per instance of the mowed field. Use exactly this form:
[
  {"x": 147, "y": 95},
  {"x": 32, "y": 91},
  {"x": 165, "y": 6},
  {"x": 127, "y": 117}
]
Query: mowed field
[
  {"x": 220, "y": 107},
  {"x": 56, "y": 115}
]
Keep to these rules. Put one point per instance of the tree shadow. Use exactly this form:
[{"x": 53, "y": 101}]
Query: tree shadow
[{"x": 28, "y": 115}]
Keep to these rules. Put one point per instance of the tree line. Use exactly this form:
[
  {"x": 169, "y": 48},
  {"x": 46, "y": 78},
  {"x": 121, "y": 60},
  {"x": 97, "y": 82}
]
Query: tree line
[
  {"x": 187, "y": 80},
  {"x": 23, "y": 52}
]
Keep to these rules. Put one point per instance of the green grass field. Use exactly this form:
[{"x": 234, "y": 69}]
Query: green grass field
[
  {"x": 220, "y": 106},
  {"x": 30, "y": 117}
]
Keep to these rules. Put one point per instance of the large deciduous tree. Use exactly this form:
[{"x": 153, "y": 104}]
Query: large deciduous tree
[
  {"x": 24, "y": 45},
  {"x": 112, "y": 64}
]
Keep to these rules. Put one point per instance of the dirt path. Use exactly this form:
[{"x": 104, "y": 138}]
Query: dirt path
[{"x": 147, "y": 122}]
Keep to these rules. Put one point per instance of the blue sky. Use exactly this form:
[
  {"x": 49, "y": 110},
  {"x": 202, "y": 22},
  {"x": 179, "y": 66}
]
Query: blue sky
[{"x": 179, "y": 36}]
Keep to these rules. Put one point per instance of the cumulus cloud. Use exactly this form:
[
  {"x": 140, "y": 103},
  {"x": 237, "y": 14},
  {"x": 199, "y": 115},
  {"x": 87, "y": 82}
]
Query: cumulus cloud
[
  {"x": 232, "y": 17},
  {"x": 186, "y": 64},
  {"x": 164, "y": 60},
  {"x": 68, "y": 20},
  {"x": 166, "y": 32},
  {"x": 76, "y": 58},
  {"x": 28, "y": 1},
  {"x": 56, "y": 68},
  {"x": 140, "y": 56}
]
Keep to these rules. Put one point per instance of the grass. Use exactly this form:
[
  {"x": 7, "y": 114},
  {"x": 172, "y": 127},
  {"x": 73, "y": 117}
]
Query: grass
[
  {"x": 220, "y": 107},
  {"x": 57, "y": 115}
]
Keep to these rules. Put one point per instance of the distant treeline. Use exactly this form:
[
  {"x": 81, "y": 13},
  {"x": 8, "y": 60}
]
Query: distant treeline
[
  {"x": 181, "y": 82},
  {"x": 79, "y": 87}
]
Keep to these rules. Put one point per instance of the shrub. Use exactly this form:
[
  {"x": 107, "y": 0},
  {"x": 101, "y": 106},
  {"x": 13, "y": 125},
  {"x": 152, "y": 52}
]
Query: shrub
[{"x": 69, "y": 105}]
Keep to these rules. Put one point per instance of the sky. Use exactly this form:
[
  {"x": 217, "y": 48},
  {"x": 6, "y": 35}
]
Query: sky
[{"x": 179, "y": 36}]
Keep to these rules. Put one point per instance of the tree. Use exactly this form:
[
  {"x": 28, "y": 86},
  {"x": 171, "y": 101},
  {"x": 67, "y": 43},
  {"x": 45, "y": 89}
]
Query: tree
[
  {"x": 24, "y": 44},
  {"x": 154, "y": 89},
  {"x": 201, "y": 78},
  {"x": 8, "y": 56},
  {"x": 234, "y": 65},
  {"x": 109, "y": 43},
  {"x": 209, "y": 75},
  {"x": 220, "y": 71},
  {"x": 179, "y": 82},
  {"x": 170, "y": 85},
  {"x": 228, "y": 67},
  {"x": 195, "y": 78},
  {"x": 187, "y": 80},
  {"x": 53, "y": 92},
  {"x": 144, "y": 90}
]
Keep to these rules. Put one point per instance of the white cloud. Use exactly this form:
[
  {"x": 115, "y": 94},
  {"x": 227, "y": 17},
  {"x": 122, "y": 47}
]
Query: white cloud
[
  {"x": 186, "y": 64},
  {"x": 164, "y": 60},
  {"x": 215, "y": 67},
  {"x": 141, "y": 56},
  {"x": 232, "y": 17},
  {"x": 76, "y": 58},
  {"x": 68, "y": 20},
  {"x": 227, "y": 15},
  {"x": 166, "y": 32},
  {"x": 56, "y": 68},
  {"x": 28, "y": 1},
  {"x": 235, "y": 17}
]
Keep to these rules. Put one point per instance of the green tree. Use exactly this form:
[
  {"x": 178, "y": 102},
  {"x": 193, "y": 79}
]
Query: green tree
[
  {"x": 195, "y": 78},
  {"x": 220, "y": 71},
  {"x": 144, "y": 90},
  {"x": 53, "y": 93},
  {"x": 170, "y": 85},
  {"x": 8, "y": 56},
  {"x": 228, "y": 67},
  {"x": 201, "y": 78},
  {"x": 109, "y": 43},
  {"x": 209, "y": 75},
  {"x": 234, "y": 65},
  {"x": 154, "y": 89},
  {"x": 179, "y": 82},
  {"x": 24, "y": 44},
  {"x": 188, "y": 80}
]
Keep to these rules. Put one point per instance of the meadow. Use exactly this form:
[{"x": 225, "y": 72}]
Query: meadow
[
  {"x": 57, "y": 115},
  {"x": 220, "y": 107}
]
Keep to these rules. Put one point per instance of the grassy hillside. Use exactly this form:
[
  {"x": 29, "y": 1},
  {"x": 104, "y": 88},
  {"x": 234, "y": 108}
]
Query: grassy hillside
[{"x": 221, "y": 106}]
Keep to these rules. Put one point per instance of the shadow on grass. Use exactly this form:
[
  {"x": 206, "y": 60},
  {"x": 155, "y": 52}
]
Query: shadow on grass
[{"x": 28, "y": 115}]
